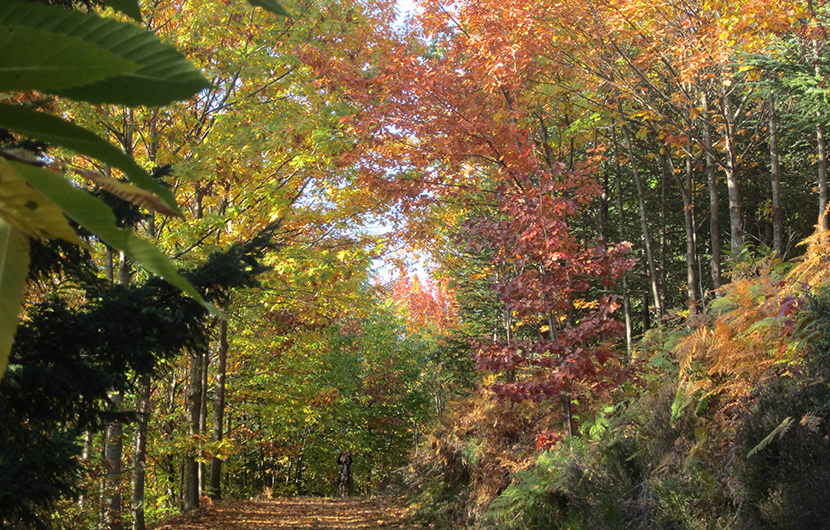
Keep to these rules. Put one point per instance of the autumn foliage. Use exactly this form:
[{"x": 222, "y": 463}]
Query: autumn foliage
[
  {"x": 429, "y": 305},
  {"x": 560, "y": 167}
]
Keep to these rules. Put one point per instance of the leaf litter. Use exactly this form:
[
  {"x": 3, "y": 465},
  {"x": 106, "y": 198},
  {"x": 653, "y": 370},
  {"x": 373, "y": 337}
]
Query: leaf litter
[{"x": 387, "y": 512}]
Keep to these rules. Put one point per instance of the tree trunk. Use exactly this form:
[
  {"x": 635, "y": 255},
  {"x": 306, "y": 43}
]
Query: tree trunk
[
  {"x": 775, "y": 176},
  {"x": 686, "y": 189},
  {"x": 663, "y": 228},
  {"x": 621, "y": 231},
  {"x": 821, "y": 147},
  {"x": 137, "y": 502},
  {"x": 203, "y": 421},
  {"x": 140, "y": 453},
  {"x": 714, "y": 200},
  {"x": 112, "y": 460},
  {"x": 567, "y": 416},
  {"x": 113, "y": 448},
  {"x": 84, "y": 462},
  {"x": 194, "y": 395},
  {"x": 735, "y": 231},
  {"x": 603, "y": 200},
  {"x": 102, "y": 490},
  {"x": 655, "y": 290},
  {"x": 215, "y": 490},
  {"x": 691, "y": 235},
  {"x": 822, "y": 175},
  {"x": 168, "y": 462}
]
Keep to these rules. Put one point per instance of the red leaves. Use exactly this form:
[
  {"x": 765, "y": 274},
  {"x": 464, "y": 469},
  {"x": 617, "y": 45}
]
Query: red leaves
[
  {"x": 548, "y": 440},
  {"x": 575, "y": 358},
  {"x": 549, "y": 271}
]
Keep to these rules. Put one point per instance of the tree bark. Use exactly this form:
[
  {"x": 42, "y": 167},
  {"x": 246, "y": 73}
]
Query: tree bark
[
  {"x": 137, "y": 502},
  {"x": 775, "y": 181},
  {"x": 84, "y": 462},
  {"x": 663, "y": 228},
  {"x": 621, "y": 231},
  {"x": 735, "y": 232},
  {"x": 714, "y": 200},
  {"x": 822, "y": 176},
  {"x": 686, "y": 189},
  {"x": 821, "y": 147},
  {"x": 655, "y": 290},
  {"x": 194, "y": 395},
  {"x": 215, "y": 490},
  {"x": 140, "y": 453},
  {"x": 691, "y": 236},
  {"x": 113, "y": 448},
  {"x": 203, "y": 421},
  {"x": 112, "y": 460},
  {"x": 568, "y": 425}
]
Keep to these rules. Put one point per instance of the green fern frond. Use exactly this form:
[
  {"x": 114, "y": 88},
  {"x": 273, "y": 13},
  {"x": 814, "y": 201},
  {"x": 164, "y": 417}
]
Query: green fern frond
[{"x": 779, "y": 431}]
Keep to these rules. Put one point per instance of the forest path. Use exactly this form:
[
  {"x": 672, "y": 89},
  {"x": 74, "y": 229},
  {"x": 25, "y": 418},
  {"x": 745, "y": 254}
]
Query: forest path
[{"x": 300, "y": 513}]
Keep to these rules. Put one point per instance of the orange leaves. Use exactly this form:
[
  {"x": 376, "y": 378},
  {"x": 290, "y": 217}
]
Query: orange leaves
[
  {"x": 429, "y": 306},
  {"x": 751, "y": 333}
]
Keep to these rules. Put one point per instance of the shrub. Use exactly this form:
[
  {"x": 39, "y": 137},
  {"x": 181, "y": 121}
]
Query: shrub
[{"x": 783, "y": 457}]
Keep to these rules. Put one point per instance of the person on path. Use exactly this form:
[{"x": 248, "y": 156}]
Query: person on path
[{"x": 344, "y": 479}]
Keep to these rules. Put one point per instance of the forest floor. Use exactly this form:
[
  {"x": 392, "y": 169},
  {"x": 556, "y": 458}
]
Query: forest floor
[{"x": 301, "y": 513}]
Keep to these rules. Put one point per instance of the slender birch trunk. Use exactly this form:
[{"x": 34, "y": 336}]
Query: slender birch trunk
[
  {"x": 140, "y": 454},
  {"x": 735, "y": 231},
  {"x": 775, "y": 182},
  {"x": 655, "y": 290},
  {"x": 191, "y": 469},
  {"x": 215, "y": 490},
  {"x": 714, "y": 200}
]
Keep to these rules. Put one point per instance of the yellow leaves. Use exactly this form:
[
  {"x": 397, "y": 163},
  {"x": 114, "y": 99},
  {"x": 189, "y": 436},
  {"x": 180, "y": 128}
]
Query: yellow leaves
[
  {"x": 319, "y": 284},
  {"x": 29, "y": 211},
  {"x": 128, "y": 192},
  {"x": 582, "y": 303}
]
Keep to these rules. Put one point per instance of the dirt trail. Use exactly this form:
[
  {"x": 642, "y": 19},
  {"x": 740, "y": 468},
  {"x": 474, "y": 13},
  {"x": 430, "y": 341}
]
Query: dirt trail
[{"x": 299, "y": 513}]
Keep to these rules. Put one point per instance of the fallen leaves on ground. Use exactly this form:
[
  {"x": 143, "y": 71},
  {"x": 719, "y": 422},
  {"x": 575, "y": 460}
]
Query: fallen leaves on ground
[{"x": 299, "y": 513}]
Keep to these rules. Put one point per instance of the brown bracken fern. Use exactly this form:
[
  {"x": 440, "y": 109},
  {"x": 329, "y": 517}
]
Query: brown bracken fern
[{"x": 750, "y": 330}]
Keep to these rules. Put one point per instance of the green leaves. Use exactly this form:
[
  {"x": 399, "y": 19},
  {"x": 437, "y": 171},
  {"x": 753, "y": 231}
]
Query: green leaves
[
  {"x": 54, "y": 130},
  {"x": 271, "y": 6},
  {"x": 32, "y": 57},
  {"x": 91, "y": 213},
  {"x": 81, "y": 56},
  {"x": 142, "y": 69},
  {"x": 14, "y": 266},
  {"x": 128, "y": 7},
  {"x": 84, "y": 57}
]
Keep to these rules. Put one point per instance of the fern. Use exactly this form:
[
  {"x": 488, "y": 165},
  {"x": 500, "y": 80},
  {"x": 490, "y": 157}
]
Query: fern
[
  {"x": 811, "y": 421},
  {"x": 751, "y": 328},
  {"x": 778, "y": 432},
  {"x": 813, "y": 269}
]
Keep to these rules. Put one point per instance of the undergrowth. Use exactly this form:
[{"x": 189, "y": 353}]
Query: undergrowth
[{"x": 724, "y": 427}]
